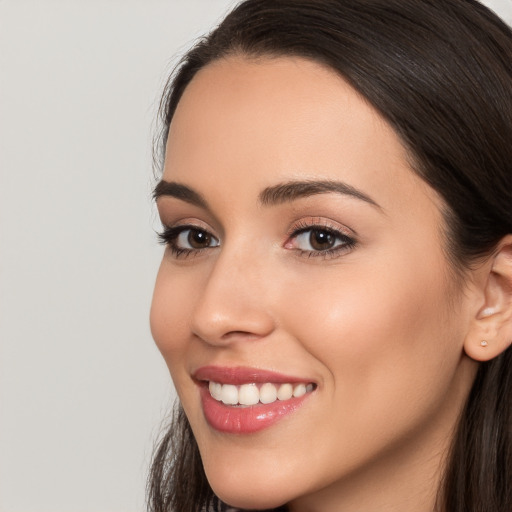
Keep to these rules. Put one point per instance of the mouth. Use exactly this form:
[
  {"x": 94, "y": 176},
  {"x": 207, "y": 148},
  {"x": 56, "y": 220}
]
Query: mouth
[{"x": 246, "y": 400}]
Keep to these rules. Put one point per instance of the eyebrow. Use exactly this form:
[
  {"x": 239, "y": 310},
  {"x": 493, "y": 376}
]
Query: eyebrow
[
  {"x": 292, "y": 190},
  {"x": 179, "y": 191},
  {"x": 270, "y": 196}
]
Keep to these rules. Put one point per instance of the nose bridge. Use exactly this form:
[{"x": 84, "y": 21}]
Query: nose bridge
[{"x": 233, "y": 303}]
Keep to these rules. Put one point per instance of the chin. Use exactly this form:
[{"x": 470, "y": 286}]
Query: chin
[
  {"x": 249, "y": 498},
  {"x": 249, "y": 490}
]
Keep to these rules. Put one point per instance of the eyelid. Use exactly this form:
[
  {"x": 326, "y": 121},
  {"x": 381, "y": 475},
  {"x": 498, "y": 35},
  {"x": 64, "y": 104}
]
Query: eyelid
[
  {"x": 345, "y": 235},
  {"x": 191, "y": 222},
  {"x": 173, "y": 212},
  {"x": 307, "y": 223},
  {"x": 171, "y": 233}
]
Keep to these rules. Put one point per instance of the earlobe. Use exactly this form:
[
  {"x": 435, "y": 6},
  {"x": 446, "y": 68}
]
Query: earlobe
[{"x": 491, "y": 331}]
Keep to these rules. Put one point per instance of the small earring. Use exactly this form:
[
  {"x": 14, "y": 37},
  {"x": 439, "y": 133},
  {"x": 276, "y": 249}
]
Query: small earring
[{"x": 483, "y": 343}]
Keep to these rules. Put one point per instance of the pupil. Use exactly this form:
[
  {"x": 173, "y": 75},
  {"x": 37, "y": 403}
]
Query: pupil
[
  {"x": 198, "y": 239},
  {"x": 321, "y": 240}
]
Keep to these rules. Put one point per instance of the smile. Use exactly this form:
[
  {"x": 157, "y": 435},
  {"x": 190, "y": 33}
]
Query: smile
[
  {"x": 239, "y": 400},
  {"x": 252, "y": 394}
]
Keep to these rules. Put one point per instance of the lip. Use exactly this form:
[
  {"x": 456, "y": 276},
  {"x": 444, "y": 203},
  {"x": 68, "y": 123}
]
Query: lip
[
  {"x": 245, "y": 420},
  {"x": 238, "y": 375}
]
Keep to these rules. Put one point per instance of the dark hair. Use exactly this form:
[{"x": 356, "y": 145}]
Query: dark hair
[{"x": 440, "y": 72}]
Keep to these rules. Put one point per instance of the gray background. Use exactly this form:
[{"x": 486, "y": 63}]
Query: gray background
[{"x": 83, "y": 390}]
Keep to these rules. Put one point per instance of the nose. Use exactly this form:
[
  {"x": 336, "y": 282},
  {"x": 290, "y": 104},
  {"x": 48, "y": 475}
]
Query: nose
[{"x": 234, "y": 304}]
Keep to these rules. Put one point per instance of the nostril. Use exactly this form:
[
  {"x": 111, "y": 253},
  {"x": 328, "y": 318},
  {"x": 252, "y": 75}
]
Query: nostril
[
  {"x": 244, "y": 324},
  {"x": 249, "y": 336}
]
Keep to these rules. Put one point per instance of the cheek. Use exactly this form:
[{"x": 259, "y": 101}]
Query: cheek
[
  {"x": 172, "y": 299},
  {"x": 384, "y": 334}
]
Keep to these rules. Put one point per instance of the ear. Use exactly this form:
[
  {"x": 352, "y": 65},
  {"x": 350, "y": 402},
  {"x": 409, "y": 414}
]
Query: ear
[{"x": 491, "y": 331}]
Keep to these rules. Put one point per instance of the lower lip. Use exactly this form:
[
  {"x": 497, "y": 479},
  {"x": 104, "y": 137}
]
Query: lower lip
[{"x": 246, "y": 420}]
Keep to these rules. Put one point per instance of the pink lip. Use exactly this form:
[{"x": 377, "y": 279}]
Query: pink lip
[
  {"x": 239, "y": 375},
  {"x": 244, "y": 420}
]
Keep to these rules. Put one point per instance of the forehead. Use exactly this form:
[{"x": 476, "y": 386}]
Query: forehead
[{"x": 257, "y": 122}]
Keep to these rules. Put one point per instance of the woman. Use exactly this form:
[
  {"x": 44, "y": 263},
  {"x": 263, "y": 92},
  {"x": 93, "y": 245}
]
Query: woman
[{"x": 335, "y": 299}]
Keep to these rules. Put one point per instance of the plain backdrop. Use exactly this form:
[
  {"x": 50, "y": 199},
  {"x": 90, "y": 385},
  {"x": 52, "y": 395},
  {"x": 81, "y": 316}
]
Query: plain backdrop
[{"x": 83, "y": 390}]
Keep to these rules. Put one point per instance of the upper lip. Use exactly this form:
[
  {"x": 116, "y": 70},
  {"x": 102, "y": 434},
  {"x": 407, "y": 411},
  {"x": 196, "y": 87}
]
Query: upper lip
[{"x": 239, "y": 375}]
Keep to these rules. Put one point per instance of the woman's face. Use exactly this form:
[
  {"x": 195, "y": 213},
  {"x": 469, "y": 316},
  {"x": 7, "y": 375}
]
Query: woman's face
[{"x": 304, "y": 256}]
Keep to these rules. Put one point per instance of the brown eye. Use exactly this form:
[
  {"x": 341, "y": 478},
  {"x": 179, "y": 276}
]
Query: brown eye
[
  {"x": 191, "y": 239},
  {"x": 321, "y": 239},
  {"x": 199, "y": 239}
]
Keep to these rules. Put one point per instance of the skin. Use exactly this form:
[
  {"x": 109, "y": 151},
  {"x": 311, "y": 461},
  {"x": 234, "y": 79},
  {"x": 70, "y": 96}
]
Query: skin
[{"x": 380, "y": 327}]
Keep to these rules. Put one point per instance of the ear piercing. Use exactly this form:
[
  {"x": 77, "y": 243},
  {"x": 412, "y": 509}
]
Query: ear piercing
[{"x": 483, "y": 343}]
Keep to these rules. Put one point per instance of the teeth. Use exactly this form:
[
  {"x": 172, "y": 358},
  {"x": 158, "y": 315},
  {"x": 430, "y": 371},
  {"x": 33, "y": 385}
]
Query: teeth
[
  {"x": 285, "y": 391},
  {"x": 229, "y": 394},
  {"x": 299, "y": 390},
  {"x": 251, "y": 394},
  {"x": 268, "y": 393},
  {"x": 248, "y": 394},
  {"x": 216, "y": 390}
]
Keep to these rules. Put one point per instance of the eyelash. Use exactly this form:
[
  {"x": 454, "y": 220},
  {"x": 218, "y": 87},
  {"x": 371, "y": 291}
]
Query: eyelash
[
  {"x": 320, "y": 225},
  {"x": 170, "y": 235}
]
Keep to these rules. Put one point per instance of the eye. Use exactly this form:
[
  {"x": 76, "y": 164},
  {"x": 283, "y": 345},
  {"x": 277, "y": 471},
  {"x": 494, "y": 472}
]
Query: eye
[
  {"x": 319, "y": 241},
  {"x": 187, "y": 240},
  {"x": 193, "y": 238},
  {"x": 316, "y": 240}
]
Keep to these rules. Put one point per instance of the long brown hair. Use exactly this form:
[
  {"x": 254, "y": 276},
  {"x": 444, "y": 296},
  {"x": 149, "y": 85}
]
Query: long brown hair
[{"x": 440, "y": 72}]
